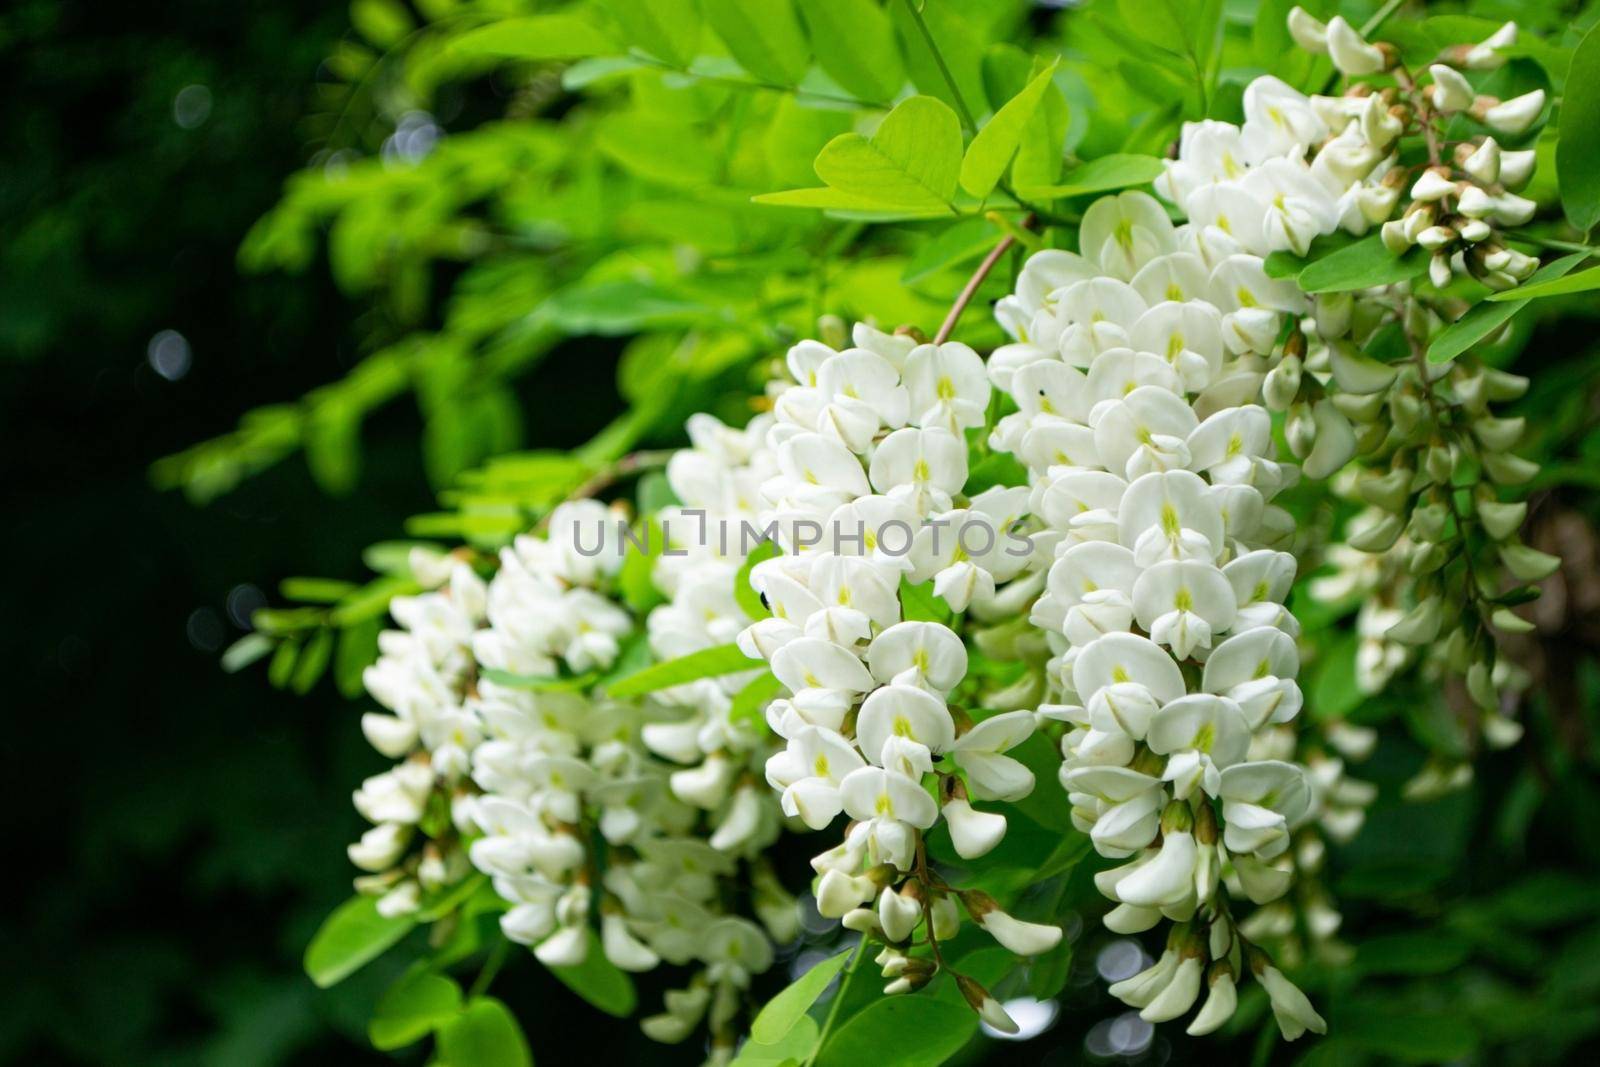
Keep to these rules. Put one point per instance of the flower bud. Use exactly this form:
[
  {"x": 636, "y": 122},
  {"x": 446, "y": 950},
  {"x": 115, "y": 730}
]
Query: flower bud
[
  {"x": 1420, "y": 625},
  {"x": 1501, "y": 520},
  {"x": 1377, "y": 535},
  {"x": 1335, "y": 442},
  {"x": 1513, "y": 116},
  {"x": 1394, "y": 235},
  {"x": 973, "y": 832},
  {"x": 1475, "y": 203},
  {"x": 988, "y": 1008},
  {"x": 1503, "y": 385},
  {"x": 1309, "y": 33},
  {"x": 1474, "y": 230},
  {"x": 1434, "y": 184},
  {"x": 1485, "y": 54},
  {"x": 1516, "y": 168},
  {"x": 1439, "y": 270},
  {"x": 1179, "y": 994},
  {"x": 1484, "y": 162},
  {"x": 1351, "y": 53},
  {"x": 1506, "y": 469},
  {"x": 1528, "y": 564},
  {"x": 1499, "y": 435},
  {"x": 1282, "y": 384},
  {"x": 567, "y": 947},
  {"x": 899, "y": 913},
  {"x": 838, "y": 893},
  {"x": 1451, "y": 91},
  {"x": 1222, "y": 999}
]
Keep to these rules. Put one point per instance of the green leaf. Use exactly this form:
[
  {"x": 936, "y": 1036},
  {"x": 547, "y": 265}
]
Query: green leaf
[
  {"x": 350, "y": 938},
  {"x": 956, "y": 244},
  {"x": 245, "y": 651},
  {"x": 1581, "y": 282},
  {"x": 854, "y": 43},
  {"x": 541, "y": 683},
  {"x": 553, "y": 36},
  {"x": 707, "y": 663},
  {"x": 765, "y": 37},
  {"x": 794, "y": 1048},
  {"x": 413, "y": 1008},
  {"x": 745, "y": 593},
  {"x": 315, "y": 590},
  {"x": 992, "y": 149},
  {"x": 838, "y": 201},
  {"x": 1360, "y": 266},
  {"x": 636, "y": 579},
  {"x": 600, "y": 982},
  {"x": 1417, "y": 952},
  {"x": 1101, "y": 175},
  {"x": 485, "y": 1035},
  {"x": 1578, "y": 143},
  {"x": 313, "y": 661},
  {"x": 1485, "y": 318},
  {"x": 748, "y": 701},
  {"x": 666, "y": 29},
  {"x": 906, "y": 1031},
  {"x": 918, "y": 603},
  {"x": 911, "y": 161},
  {"x": 787, "y": 1008}
]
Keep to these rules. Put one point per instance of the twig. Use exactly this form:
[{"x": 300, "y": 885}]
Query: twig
[
  {"x": 967, "y": 121},
  {"x": 971, "y": 288}
]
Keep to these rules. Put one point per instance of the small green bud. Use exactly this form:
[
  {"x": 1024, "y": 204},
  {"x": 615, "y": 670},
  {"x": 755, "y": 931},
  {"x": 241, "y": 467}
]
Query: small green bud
[
  {"x": 1500, "y": 520},
  {"x": 1499, "y": 435},
  {"x": 1507, "y": 469},
  {"x": 1528, "y": 564},
  {"x": 1379, "y": 535},
  {"x": 1389, "y": 491},
  {"x": 1420, "y": 625}
]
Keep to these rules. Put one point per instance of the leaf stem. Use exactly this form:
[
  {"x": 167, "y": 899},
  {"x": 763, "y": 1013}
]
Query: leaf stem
[
  {"x": 967, "y": 121},
  {"x": 971, "y": 288},
  {"x": 838, "y": 999},
  {"x": 1380, "y": 17},
  {"x": 491, "y": 967}
]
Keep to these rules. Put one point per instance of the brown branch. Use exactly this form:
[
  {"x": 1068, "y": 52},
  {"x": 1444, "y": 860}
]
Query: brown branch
[{"x": 971, "y": 288}]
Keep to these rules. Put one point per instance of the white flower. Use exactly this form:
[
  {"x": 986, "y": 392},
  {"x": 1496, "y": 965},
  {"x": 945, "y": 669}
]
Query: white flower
[
  {"x": 902, "y": 711},
  {"x": 990, "y": 774},
  {"x": 874, "y": 793},
  {"x": 1290, "y": 1008},
  {"x": 948, "y": 386},
  {"x": 973, "y": 832},
  {"x": 809, "y": 772},
  {"x": 1122, "y": 233},
  {"x": 1260, "y": 803},
  {"x": 923, "y": 467}
]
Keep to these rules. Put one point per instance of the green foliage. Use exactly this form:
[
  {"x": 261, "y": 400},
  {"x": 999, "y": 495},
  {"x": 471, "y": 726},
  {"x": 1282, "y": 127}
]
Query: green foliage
[
  {"x": 707, "y": 663},
  {"x": 599, "y": 981},
  {"x": 784, "y": 1011},
  {"x": 485, "y": 1034},
  {"x": 350, "y": 938},
  {"x": 1578, "y": 144}
]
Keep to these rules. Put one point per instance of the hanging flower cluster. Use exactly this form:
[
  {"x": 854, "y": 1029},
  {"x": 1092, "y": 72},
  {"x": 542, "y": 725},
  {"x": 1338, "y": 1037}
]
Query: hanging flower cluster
[
  {"x": 1438, "y": 480},
  {"x": 423, "y": 676},
  {"x": 867, "y": 501},
  {"x": 552, "y": 788},
  {"x": 1136, "y": 374}
]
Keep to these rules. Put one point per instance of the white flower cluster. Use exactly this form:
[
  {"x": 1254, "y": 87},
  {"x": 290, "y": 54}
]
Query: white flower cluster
[
  {"x": 867, "y": 495},
  {"x": 1136, "y": 375},
  {"x": 423, "y": 675},
  {"x": 551, "y": 783},
  {"x": 1456, "y": 203}
]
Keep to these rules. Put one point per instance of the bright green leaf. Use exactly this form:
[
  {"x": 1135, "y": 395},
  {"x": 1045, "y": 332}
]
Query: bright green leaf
[
  {"x": 350, "y": 938},
  {"x": 911, "y": 161},
  {"x": 1578, "y": 146},
  {"x": 784, "y": 1010},
  {"x": 666, "y": 29},
  {"x": 1099, "y": 176},
  {"x": 413, "y": 1008},
  {"x": 707, "y": 663},
  {"x": 854, "y": 43},
  {"x": 906, "y": 1031},
  {"x": 1361, "y": 266},
  {"x": 485, "y": 1035},
  {"x": 765, "y": 36},
  {"x": 992, "y": 149},
  {"x": 553, "y": 36},
  {"x": 1581, "y": 282},
  {"x": 600, "y": 982},
  {"x": 1485, "y": 318}
]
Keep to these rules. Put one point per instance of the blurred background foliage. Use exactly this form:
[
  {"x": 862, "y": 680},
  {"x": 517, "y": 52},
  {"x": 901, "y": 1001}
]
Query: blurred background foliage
[{"x": 532, "y": 262}]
